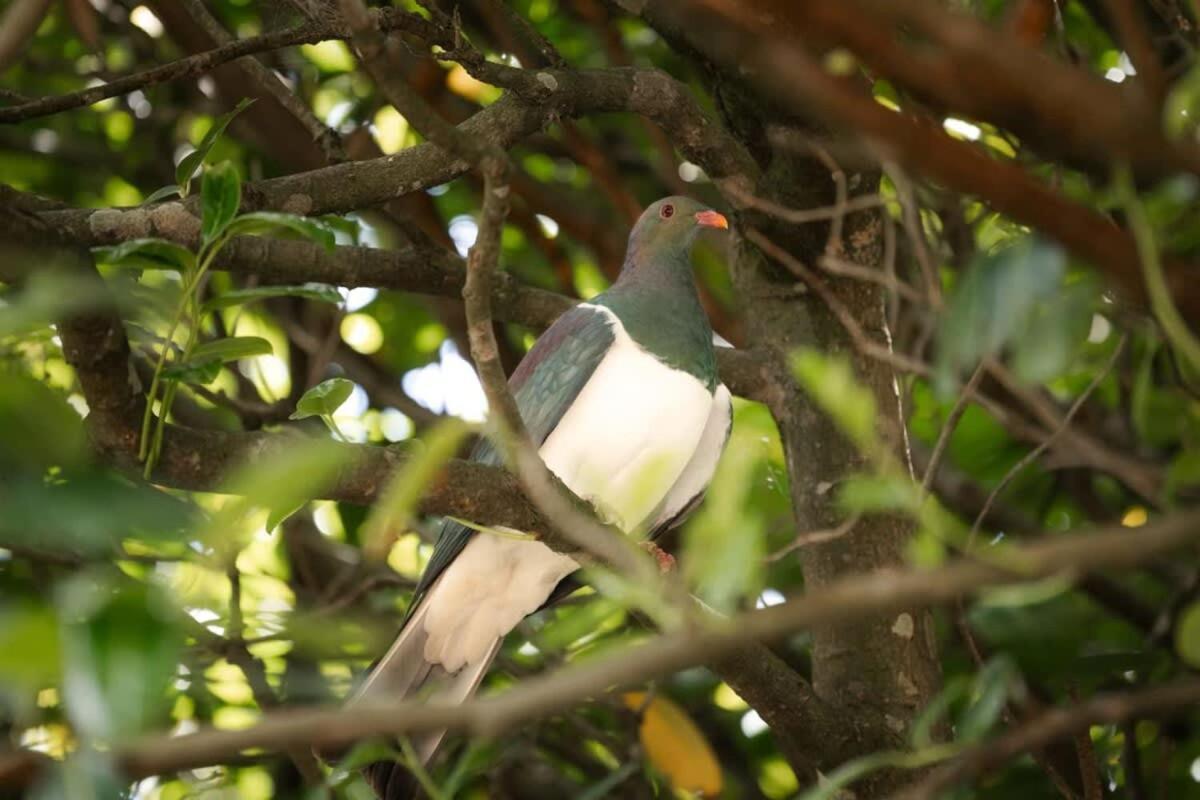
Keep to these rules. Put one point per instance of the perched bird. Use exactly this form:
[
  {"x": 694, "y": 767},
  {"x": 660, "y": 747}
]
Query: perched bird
[{"x": 621, "y": 396}]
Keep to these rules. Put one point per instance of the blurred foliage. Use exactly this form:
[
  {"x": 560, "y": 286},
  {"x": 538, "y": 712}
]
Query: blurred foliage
[{"x": 128, "y": 608}]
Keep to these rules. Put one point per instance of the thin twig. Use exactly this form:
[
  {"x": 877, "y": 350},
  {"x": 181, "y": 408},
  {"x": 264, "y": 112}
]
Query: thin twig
[
  {"x": 956, "y": 413},
  {"x": 1159, "y": 701},
  {"x": 203, "y": 62},
  {"x": 810, "y": 538},
  {"x": 1033, "y": 454}
]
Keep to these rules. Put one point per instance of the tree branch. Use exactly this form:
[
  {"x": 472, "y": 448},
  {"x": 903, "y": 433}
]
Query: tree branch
[
  {"x": 198, "y": 64},
  {"x": 845, "y": 600},
  {"x": 1168, "y": 700}
]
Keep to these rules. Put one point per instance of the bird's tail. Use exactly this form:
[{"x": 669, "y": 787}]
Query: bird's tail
[{"x": 404, "y": 672}]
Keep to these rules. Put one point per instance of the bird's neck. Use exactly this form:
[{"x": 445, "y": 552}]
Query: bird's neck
[{"x": 660, "y": 309}]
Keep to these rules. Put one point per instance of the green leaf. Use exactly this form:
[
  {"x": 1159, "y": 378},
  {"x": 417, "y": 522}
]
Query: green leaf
[
  {"x": 39, "y": 429},
  {"x": 29, "y": 646},
  {"x": 161, "y": 194},
  {"x": 573, "y": 624},
  {"x": 151, "y": 253},
  {"x": 1183, "y": 473},
  {"x": 1187, "y": 635},
  {"x": 220, "y": 196},
  {"x": 121, "y": 650},
  {"x": 395, "y": 507},
  {"x": 232, "y": 349},
  {"x": 1181, "y": 107},
  {"x": 323, "y": 399},
  {"x": 993, "y": 686},
  {"x": 188, "y": 165},
  {"x": 994, "y": 302},
  {"x": 321, "y": 292},
  {"x": 874, "y": 494},
  {"x": 204, "y": 364},
  {"x": 260, "y": 222},
  {"x": 722, "y": 567},
  {"x": 922, "y": 732},
  {"x": 1048, "y": 344},
  {"x": 197, "y": 373},
  {"x": 283, "y": 477},
  {"x": 278, "y": 516},
  {"x": 831, "y": 382}
]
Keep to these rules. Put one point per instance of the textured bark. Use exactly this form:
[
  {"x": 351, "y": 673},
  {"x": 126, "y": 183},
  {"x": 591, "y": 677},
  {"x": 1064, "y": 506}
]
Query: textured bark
[{"x": 882, "y": 670}]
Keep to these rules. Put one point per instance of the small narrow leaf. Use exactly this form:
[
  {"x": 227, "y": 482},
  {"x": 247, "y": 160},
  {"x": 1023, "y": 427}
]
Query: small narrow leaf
[
  {"x": 161, "y": 194},
  {"x": 192, "y": 161},
  {"x": 220, "y": 196},
  {"x": 260, "y": 222},
  {"x": 205, "y": 362},
  {"x": 232, "y": 348},
  {"x": 152, "y": 253},
  {"x": 200, "y": 373},
  {"x": 320, "y": 292},
  {"x": 323, "y": 399}
]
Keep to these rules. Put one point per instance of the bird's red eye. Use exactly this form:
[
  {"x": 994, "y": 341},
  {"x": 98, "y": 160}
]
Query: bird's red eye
[{"x": 667, "y": 211}]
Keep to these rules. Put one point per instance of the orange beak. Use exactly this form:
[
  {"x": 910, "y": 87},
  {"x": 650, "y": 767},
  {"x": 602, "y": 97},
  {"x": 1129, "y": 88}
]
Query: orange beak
[{"x": 712, "y": 219}]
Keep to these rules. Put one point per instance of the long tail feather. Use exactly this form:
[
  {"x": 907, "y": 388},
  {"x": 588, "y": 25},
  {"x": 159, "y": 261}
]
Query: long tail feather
[{"x": 404, "y": 672}]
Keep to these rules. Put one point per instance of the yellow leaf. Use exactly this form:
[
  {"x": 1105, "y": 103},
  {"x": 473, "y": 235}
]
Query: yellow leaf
[{"x": 676, "y": 746}]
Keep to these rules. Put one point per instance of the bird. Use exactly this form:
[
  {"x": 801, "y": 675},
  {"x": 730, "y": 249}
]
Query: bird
[{"x": 622, "y": 398}]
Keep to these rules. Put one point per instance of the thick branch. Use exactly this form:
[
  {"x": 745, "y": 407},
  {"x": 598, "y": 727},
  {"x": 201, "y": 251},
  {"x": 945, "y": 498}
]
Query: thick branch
[{"x": 566, "y": 93}]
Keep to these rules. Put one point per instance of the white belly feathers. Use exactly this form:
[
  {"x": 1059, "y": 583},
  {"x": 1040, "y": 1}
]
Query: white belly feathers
[{"x": 623, "y": 445}]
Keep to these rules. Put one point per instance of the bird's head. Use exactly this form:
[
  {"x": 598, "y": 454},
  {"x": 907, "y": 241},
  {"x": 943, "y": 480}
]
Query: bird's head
[{"x": 669, "y": 226}]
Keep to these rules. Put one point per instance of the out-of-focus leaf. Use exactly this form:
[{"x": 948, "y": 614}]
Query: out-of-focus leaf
[
  {"x": 1157, "y": 412},
  {"x": 995, "y": 300},
  {"x": 676, "y": 746},
  {"x": 864, "y": 494},
  {"x": 993, "y": 686},
  {"x": 88, "y": 513},
  {"x": 38, "y": 428},
  {"x": 393, "y": 512},
  {"x": 831, "y": 382},
  {"x": 120, "y": 647},
  {"x": 323, "y": 399},
  {"x": 573, "y": 624},
  {"x": 29, "y": 648},
  {"x": 153, "y": 253},
  {"x": 1181, "y": 109},
  {"x": 321, "y": 292},
  {"x": 220, "y": 196},
  {"x": 188, "y": 165},
  {"x": 260, "y": 222},
  {"x": 1055, "y": 331},
  {"x": 284, "y": 478},
  {"x": 921, "y": 733},
  {"x": 49, "y": 295},
  {"x": 83, "y": 768},
  {"x": 1184, "y": 472},
  {"x": 725, "y": 542},
  {"x": 1187, "y": 635}
]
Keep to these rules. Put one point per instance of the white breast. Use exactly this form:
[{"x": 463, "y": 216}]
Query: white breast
[{"x": 623, "y": 445}]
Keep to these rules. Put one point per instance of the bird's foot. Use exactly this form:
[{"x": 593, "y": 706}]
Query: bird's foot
[{"x": 666, "y": 561}]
